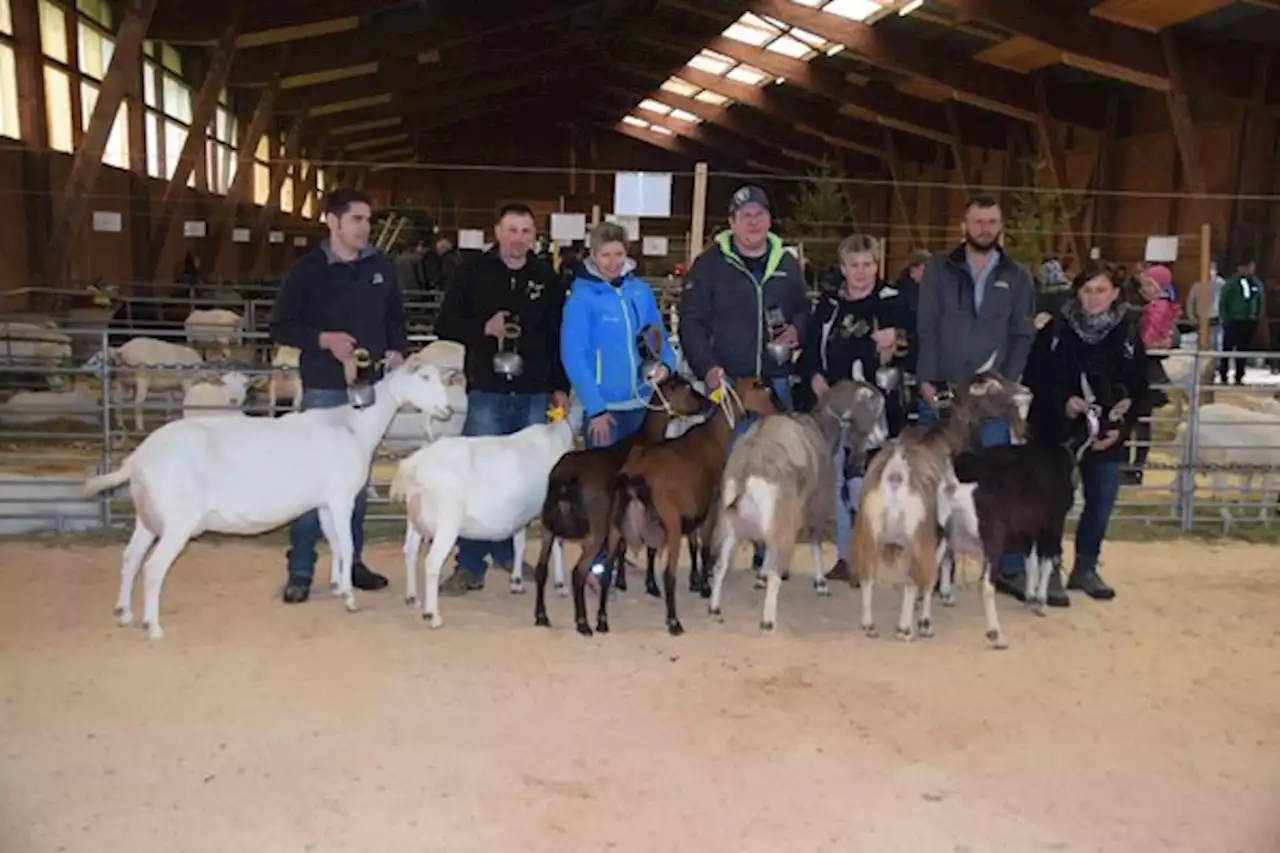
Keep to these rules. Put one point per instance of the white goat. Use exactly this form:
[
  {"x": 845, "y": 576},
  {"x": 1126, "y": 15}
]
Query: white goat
[
  {"x": 28, "y": 408},
  {"x": 38, "y": 346},
  {"x": 285, "y": 382},
  {"x": 485, "y": 488},
  {"x": 249, "y": 475},
  {"x": 215, "y": 329},
  {"x": 1233, "y": 435},
  {"x": 224, "y": 395},
  {"x": 149, "y": 363},
  {"x": 411, "y": 430}
]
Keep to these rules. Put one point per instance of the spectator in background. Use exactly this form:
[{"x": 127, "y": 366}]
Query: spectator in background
[
  {"x": 507, "y": 284},
  {"x": 1163, "y": 277},
  {"x": 1157, "y": 327},
  {"x": 1240, "y": 307},
  {"x": 908, "y": 281},
  {"x": 410, "y": 270},
  {"x": 1197, "y": 306},
  {"x": 444, "y": 264}
]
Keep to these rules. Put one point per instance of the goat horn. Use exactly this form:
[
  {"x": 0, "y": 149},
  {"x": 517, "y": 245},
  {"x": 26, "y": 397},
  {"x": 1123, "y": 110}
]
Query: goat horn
[
  {"x": 990, "y": 363},
  {"x": 1087, "y": 389},
  {"x": 858, "y": 374}
]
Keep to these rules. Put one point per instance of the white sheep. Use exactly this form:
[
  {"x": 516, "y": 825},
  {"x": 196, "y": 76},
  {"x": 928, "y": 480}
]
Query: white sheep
[
  {"x": 28, "y": 408},
  {"x": 38, "y": 346},
  {"x": 250, "y": 475},
  {"x": 486, "y": 488},
  {"x": 224, "y": 395},
  {"x": 214, "y": 329},
  {"x": 1233, "y": 435},
  {"x": 149, "y": 363}
]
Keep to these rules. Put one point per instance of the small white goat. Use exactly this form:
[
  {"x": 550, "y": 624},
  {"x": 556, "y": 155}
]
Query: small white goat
[
  {"x": 249, "y": 475},
  {"x": 779, "y": 479},
  {"x": 486, "y": 488},
  {"x": 216, "y": 329},
  {"x": 1234, "y": 435},
  {"x": 285, "y": 382},
  {"x": 149, "y": 363},
  {"x": 38, "y": 346},
  {"x": 224, "y": 395}
]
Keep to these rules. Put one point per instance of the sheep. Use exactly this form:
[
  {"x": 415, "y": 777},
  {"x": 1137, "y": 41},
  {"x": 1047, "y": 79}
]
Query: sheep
[
  {"x": 82, "y": 404},
  {"x": 150, "y": 363},
  {"x": 214, "y": 329},
  {"x": 40, "y": 347},
  {"x": 1231, "y": 435},
  {"x": 898, "y": 517},
  {"x": 484, "y": 487},
  {"x": 779, "y": 479},
  {"x": 249, "y": 475},
  {"x": 669, "y": 490},
  {"x": 224, "y": 395},
  {"x": 285, "y": 383},
  {"x": 579, "y": 491}
]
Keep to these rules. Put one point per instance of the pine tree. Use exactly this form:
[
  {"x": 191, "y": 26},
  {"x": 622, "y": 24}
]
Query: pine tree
[{"x": 819, "y": 216}]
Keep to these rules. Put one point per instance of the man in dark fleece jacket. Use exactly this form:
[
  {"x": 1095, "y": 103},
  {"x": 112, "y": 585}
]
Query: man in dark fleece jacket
[
  {"x": 506, "y": 285},
  {"x": 339, "y": 297}
]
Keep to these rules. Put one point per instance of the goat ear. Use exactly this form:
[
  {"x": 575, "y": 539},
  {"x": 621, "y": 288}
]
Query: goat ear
[
  {"x": 858, "y": 374},
  {"x": 1087, "y": 389},
  {"x": 990, "y": 363}
]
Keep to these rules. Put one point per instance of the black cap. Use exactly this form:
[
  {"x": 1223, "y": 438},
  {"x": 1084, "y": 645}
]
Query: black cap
[{"x": 750, "y": 194}]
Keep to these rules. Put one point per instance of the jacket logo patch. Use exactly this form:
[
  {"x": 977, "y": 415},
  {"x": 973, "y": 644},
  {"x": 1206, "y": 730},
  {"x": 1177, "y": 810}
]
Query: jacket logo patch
[
  {"x": 888, "y": 293},
  {"x": 1129, "y": 350},
  {"x": 1002, "y": 285},
  {"x": 377, "y": 278},
  {"x": 535, "y": 289}
]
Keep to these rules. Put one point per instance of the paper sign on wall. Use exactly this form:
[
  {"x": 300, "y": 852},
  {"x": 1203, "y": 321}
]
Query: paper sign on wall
[
  {"x": 193, "y": 228},
  {"x": 631, "y": 224},
  {"x": 568, "y": 226},
  {"x": 486, "y": 247},
  {"x": 470, "y": 238},
  {"x": 1161, "y": 249},
  {"x": 107, "y": 220},
  {"x": 240, "y": 235},
  {"x": 299, "y": 241},
  {"x": 275, "y": 237},
  {"x": 642, "y": 194},
  {"x": 655, "y": 247}
]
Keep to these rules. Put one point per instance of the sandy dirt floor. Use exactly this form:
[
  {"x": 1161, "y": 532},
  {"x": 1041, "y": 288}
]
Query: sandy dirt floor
[{"x": 1150, "y": 723}]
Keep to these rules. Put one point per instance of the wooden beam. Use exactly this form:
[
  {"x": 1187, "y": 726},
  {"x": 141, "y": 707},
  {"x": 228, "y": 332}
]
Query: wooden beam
[
  {"x": 279, "y": 171},
  {"x": 195, "y": 148},
  {"x": 215, "y": 250},
  {"x": 73, "y": 202},
  {"x": 1184, "y": 130},
  {"x": 675, "y": 144}
]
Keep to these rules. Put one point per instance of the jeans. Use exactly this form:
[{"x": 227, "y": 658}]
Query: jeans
[
  {"x": 305, "y": 531},
  {"x": 991, "y": 433},
  {"x": 782, "y": 388},
  {"x": 625, "y": 424},
  {"x": 491, "y": 413},
  {"x": 1237, "y": 336},
  {"x": 1101, "y": 481}
]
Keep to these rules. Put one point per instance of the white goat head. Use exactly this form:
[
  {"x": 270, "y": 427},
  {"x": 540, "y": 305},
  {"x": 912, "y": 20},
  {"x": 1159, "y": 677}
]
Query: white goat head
[{"x": 422, "y": 387}]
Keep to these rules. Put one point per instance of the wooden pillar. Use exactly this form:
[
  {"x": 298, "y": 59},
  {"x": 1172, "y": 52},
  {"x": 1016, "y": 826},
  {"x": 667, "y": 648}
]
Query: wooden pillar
[
  {"x": 194, "y": 149},
  {"x": 894, "y": 162},
  {"x": 73, "y": 202},
  {"x": 698, "y": 216},
  {"x": 311, "y": 180},
  {"x": 37, "y": 199},
  {"x": 283, "y": 166},
  {"x": 216, "y": 249},
  {"x": 1184, "y": 132}
]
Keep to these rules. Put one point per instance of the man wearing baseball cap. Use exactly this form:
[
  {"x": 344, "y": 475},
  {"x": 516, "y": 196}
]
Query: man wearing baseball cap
[{"x": 742, "y": 292}]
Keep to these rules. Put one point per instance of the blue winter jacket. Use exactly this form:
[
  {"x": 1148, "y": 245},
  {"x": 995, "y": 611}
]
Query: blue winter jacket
[{"x": 599, "y": 340}]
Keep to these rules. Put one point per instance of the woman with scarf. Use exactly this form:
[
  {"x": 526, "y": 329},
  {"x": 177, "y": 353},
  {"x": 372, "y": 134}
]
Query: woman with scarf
[
  {"x": 1094, "y": 335},
  {"x": 602, "y": 335},
  {"x": 854, "y": 324}
]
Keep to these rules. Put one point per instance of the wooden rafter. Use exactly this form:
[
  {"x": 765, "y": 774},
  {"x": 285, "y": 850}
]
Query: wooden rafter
[{"x": 1184, "y": 130}]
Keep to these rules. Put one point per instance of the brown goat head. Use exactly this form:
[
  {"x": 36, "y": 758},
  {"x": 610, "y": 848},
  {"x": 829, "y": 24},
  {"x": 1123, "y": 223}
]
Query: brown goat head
[
  {"x": 988, "y": 394},
  {"x": 859, "y": 407},
  {"x": 678, "y": 396}
]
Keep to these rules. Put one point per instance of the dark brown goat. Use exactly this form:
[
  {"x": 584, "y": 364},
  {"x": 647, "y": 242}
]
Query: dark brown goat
[
  {"x": 580, "y": 489},
  {"x": 669, "y": 490}
]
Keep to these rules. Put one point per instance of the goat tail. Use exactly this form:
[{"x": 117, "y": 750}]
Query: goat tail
[
  {"x": 564, "y": 512},
  {"x": 634, "y": 502},
  {"x": 109, "y": 480}
]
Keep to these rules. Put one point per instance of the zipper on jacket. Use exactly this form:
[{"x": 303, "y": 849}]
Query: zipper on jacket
[
  {"x": 631, "y": 342},
  {"x": 759, "y": 311}
]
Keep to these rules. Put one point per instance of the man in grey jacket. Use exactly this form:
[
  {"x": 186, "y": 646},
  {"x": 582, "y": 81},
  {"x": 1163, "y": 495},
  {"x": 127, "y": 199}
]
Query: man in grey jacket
[{"x": 975, "y": 300}]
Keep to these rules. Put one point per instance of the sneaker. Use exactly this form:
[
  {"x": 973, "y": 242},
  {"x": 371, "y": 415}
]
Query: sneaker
[
  {"x": 1091, "y": 584},
  {"x": 460, "y": 583},
  {"x": 296, "y": 591},
  {"x": 362, "y": 577}
]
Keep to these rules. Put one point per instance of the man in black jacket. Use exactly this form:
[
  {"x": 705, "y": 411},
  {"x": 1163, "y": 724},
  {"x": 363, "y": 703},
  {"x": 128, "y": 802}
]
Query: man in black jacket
[
  {"x": 506, "y": 286},
  {"x": 339, "y": 297}
]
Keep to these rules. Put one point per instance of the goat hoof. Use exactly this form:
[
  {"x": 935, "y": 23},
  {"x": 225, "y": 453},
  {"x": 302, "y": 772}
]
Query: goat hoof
[
  {"x": 602, "y": 626},
  {"x": 948, "y": 599},
  {"x": 785, "y": 575},
  {"x": 653, "y": 590},
  {"x": 997, "y": 640},
  {"x": 517, "y": 587},
  {"x": 870, "y": 632},
  {"x": 155, "y": 633},
  {"x": 695, "y": 586},
  {"x": 434, "y": 619},
  {"x": 716, "y": 612},
  {"x": 766, "y": 627},
  {"x": 674, "y": 628},
  {"x": 410, "y": 600},
  {"x": 584, "y": 629},
  {"x": 124, "y": 618},
  {"x": 562, "y": 590},
  {"x": 925, "y": 628},
  {"x": 904, "y": 634},
  {"x": 1037, "y": 607},
  {"x": 542, "y": 621},
  {"x": 821, "y": 587},
  {"x": 349, "y": 602}
]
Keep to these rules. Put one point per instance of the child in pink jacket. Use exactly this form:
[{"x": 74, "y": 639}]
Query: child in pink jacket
[{"x": 1157, "y": 327}]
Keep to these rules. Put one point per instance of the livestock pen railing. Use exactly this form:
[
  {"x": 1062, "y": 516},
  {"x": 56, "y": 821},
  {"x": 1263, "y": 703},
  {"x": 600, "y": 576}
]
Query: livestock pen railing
[{"x": 50, "y": 440}]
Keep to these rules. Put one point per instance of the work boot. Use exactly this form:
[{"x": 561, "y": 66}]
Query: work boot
[
  {"x": 460, "y": 583},
  {"x": 840, "y": 571},
  {"x": 1014, "y": 586},
  {"x": 362, "y": 577},
  {"x": 1091, "y": 584},
  {"x": 296, "y": 591}
]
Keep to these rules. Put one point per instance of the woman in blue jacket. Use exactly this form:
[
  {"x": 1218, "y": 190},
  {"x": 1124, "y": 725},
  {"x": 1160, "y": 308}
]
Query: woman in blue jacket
[{"x": 601, "y": 338}]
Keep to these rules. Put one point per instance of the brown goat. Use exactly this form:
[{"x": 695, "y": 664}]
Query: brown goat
[
  {"x": 779, "y": 480},
  {"x": 897, "y": 519},
  {"x": 580, "y": 488},
  {"x": 669, "y": 490}
]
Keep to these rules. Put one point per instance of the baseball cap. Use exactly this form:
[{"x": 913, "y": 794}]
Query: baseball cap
[{"x": 750, "y": 194}]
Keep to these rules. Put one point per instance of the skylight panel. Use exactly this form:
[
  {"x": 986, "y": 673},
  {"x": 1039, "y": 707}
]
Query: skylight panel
[
  {"x": 711, "y": 62},
  {"x": 681, "y": 115},
  {"x": 854, "y": 10},
  {"x": 659, "y": 129},
  {"x": 787, "y": 46},
  {"x": 709, "y": 97},
  {"x": 655, "y": 106},
  {"x": 680, "y": 87},
  {"x": 635, "y": 122},
  {"x": 747, "y": 74}
]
